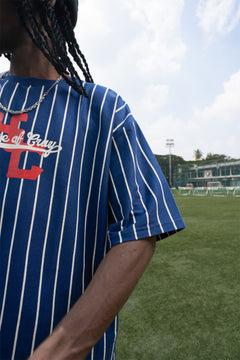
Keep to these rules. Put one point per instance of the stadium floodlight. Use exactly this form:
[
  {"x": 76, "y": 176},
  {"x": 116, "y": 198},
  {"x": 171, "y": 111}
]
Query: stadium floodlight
[{"x": 170, "y": 144}]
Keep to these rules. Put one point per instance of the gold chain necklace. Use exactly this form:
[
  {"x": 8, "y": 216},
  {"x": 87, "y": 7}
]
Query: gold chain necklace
[{"x": 17, "y": 112}]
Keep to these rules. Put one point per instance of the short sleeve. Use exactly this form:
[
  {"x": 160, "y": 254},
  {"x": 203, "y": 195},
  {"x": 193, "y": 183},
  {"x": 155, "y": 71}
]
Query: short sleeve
[{"x": 140, "y": 201}]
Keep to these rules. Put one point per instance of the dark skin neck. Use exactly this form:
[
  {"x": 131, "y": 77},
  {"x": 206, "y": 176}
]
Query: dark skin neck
[{"x": 28, "y": 61}]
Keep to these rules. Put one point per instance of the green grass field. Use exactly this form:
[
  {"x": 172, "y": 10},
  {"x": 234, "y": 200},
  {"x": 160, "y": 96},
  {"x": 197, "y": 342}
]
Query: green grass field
[{"x": 187, "y": 304}]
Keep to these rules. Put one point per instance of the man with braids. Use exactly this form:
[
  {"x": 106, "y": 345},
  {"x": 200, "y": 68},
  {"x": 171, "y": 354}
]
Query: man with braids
[{"x": 82, "y": 197}]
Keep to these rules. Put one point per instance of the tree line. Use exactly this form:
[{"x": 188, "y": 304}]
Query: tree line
[
  {"x": 198, "y": 155},
  {"x": 180, "y": 175},
  {"x": 163, "y": 160}
]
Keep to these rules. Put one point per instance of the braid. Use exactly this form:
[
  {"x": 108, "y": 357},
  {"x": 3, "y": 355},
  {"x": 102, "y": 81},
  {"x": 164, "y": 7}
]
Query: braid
[
  {"x": 36, "y": 34},
  {"x": 55, "y": 37},
  {"x": 58, "y": 35},
  {"x": 74, "y": 49}
]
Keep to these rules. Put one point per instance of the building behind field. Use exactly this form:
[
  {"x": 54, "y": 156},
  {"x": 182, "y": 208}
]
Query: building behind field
[{"x": 225, "y": 173}]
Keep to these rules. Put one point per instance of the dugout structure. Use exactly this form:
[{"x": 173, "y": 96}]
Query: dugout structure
[
  {"x": 186, "y": 190},
  {"x": 200, "y": 191},
  {"x": 215, "y": 189},
  {"x": 236, "y": 192}
]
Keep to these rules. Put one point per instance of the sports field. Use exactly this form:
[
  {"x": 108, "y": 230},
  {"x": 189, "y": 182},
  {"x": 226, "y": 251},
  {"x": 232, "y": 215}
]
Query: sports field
[{"x": 187, "y": 305}]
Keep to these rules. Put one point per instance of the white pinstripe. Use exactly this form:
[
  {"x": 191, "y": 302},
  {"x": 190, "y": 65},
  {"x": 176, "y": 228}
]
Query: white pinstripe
[
  {"x": 127, "y": 186},
  {"x": 119, "y": 203},
  {"x": 160, "y": 183},
  {"x": 45, "y": 242},
  {"x": 122, "y": 107},
  {"x": 121, "y": 123},
  {"x": 75, "y": 238},
  {"x": 29, "y": 239},
  {"x": 93, "y": 167},
  {"x": 53, "y": 190},
  {"x": 6, "y": 188},
  {"x": 2, "y": 88},
  {"x": 65, "y": 210},
  {"x": 111, "y": 208},
  {"x": 28, "y": 246},
  {"x": 80, "y": 178},
  {"x": 104, "y": 346},
  {"x": 101, "y": 179},
  {"x": 153, "y": 195},
  {"x": 7, "y": 182},
  {"x": 53, "y": 186},
  {"x": 77, "y": 215},
  {"x": 15, "y": 221},
  {"x": 115, "y": 339},
  {"x": 135, "y": 173}
]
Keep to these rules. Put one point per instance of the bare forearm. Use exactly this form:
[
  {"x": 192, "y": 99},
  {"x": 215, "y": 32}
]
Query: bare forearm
[{"x": 109, "y": 289}]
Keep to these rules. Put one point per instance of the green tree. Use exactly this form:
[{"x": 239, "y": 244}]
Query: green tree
[
  {"x": 163, "y": 161},
  {"x": 216, "y": 157}
]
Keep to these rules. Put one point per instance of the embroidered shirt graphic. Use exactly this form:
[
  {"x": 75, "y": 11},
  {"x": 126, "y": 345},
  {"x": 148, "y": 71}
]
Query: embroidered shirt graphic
[{"x": 12, "y": 140}]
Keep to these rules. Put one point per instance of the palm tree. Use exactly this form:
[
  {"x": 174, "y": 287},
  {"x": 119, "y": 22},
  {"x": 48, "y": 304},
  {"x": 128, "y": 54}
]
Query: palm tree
[{"x": 198, "y": 154}]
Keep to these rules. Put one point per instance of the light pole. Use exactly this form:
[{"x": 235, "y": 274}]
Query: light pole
[{"x": 170, "y": 144}]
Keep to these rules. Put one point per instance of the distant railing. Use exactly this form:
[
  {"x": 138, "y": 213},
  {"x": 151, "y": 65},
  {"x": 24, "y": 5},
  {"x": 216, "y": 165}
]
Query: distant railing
[{"x": 220, "y": 191}]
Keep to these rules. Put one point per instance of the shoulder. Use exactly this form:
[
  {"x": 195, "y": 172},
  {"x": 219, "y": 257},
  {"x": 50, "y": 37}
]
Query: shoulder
[
  {"x": 100, "y": 93},
  {"x": 108, "y": 101}
]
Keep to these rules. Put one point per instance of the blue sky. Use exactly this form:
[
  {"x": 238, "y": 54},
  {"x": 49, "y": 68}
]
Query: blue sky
[{"x": 177, "y": 64}]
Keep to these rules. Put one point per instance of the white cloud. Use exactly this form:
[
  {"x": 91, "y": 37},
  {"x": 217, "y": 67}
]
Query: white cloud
[
  {"x": 156, "y": 96},
  {"x": 158, "y": 46},
  {"x": 92, "y": 20},
  {"x": 219, "y": 122},
  {"x": 136, "y": 38},
  {"x": 214, "y": 128},
  {"x": 4, "y": 64},
  {"x": 185, "y": 134},
  {"x": 226, "y": 106},
  {"x": 218, "y": 17}
]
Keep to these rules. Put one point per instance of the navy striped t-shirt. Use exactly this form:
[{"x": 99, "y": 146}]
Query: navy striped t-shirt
[{"x": 76, "y": 178}]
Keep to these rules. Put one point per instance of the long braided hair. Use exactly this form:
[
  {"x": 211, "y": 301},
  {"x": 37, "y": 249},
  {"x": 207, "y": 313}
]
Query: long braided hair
[{"x": 55, "y": 37}]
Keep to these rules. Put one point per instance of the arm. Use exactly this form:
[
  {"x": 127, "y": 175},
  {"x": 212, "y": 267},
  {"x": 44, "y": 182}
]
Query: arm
[{"x": 93, "y": 313}]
